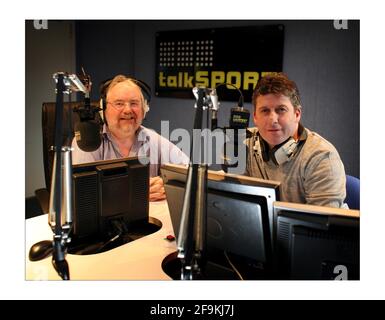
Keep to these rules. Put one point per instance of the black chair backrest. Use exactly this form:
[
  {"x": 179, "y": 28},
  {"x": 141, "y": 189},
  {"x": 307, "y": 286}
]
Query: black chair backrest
[{"x": 48, "y": 127}]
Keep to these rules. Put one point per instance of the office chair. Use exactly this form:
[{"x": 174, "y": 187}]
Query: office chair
[
  {"x": 352, "y": 192},
  {"x": 48, "y": 130}
]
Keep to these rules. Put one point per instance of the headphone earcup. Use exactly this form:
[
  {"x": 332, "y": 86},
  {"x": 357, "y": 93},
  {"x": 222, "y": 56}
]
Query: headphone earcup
[
  {"x": 284, "y": 152},
  {"x": 279, "y": 154},
  {"x": 146, "y": 92},
  {"x": 103, "y": 105},
  {"x": 146, "y": 108}
]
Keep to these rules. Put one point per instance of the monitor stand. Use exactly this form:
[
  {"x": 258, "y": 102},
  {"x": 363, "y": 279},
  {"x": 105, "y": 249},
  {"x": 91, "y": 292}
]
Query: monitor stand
[
  {"x": 172, "y": 266},
  {"x": 97, "y": 244},
  {"x": 217, "y": 268}
]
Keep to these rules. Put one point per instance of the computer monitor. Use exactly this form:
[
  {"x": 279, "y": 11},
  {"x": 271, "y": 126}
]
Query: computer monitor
[
  {"x": 109, "y": 192},
  {"x": 239, "y": 209},
  {"x": 316, "y": 243}
]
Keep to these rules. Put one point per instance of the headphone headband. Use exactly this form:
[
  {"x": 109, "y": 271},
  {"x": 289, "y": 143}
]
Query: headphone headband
[{"x": 144, "y": 87}]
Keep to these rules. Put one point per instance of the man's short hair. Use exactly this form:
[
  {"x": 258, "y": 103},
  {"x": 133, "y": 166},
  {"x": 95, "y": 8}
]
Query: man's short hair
[{"x": 279, "y": 84}]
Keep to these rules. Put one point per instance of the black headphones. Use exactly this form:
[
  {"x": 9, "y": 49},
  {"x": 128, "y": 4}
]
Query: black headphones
[
  {"x": 144, "y": 87},
  {"x": 282, "y": 152}
]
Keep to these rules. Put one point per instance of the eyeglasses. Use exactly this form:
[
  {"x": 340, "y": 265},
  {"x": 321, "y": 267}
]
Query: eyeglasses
[{"x": 120, "y": 104}]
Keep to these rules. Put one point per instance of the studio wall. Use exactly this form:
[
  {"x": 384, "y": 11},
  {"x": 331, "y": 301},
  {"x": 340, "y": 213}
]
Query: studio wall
[{"x": 322, "y": 60}]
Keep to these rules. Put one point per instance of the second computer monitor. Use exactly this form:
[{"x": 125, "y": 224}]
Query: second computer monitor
[
  {"x": 316, "y": 243},
  {"x": 239, "y": 211}
]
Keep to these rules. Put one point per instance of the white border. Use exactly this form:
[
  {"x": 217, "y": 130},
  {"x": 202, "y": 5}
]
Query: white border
[{"x": 12, "y": 182}]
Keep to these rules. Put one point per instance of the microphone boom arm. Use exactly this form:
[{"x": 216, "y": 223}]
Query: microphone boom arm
[
  {"x": 192, "y": 230},
  {"x": 60, "y": 204}
]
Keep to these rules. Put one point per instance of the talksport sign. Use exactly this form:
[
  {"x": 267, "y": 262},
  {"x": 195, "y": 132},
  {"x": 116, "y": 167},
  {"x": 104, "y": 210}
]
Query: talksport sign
[{"x": 238, "y": 56}]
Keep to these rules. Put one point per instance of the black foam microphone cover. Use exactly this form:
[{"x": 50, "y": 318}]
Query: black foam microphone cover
[{"x": 87, "y": 135}]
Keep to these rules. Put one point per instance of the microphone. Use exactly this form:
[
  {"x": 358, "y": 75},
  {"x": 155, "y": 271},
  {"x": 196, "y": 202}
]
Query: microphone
[
  {"x": 87, "y": 135},
  {"x": 87, "y": 130},
  {"x": 239, "y": 117}
]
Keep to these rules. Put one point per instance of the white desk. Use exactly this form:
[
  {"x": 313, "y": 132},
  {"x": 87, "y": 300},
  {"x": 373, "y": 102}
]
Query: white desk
[{"x": 137, "y": 260}]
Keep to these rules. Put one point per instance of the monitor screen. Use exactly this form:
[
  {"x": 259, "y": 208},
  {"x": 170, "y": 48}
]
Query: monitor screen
[
  {"x": 316, "y": 243},
  {"x": 107, "y": 192},
  {"x": 239, "y": 210}
]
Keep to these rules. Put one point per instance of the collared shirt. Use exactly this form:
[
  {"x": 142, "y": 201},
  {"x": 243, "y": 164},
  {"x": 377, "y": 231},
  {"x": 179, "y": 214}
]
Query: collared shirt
[{"x": 148, "y": 143}]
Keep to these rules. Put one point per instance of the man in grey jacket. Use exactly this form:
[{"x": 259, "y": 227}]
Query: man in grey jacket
[{"x": 280, "y": 148}]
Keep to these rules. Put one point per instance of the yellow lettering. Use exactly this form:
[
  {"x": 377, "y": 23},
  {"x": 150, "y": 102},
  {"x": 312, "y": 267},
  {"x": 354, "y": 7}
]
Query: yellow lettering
[
  {"x": 245, "y": 81},
  {"x": 171, "y": 81},
  {"x": 188, "y": 81},
  {"x": 237, "y": 76},
  {"x": 217, "y": 77},
  {"x": 162, "y": 83},
  {"x": 201, "y": 78},
  {"x": 250, "y": 78}
]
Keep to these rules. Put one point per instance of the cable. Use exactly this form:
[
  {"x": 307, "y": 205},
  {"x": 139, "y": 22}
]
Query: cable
[
  {"x": 108, "y": 242},
  {"x": 232, "y": 266},
  {"x": 241, "y": 100},
  {"x": 121, "y": 229}
]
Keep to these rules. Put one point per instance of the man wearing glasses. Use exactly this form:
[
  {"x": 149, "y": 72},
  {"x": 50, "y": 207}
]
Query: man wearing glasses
[{"x": 124, "y": 136}]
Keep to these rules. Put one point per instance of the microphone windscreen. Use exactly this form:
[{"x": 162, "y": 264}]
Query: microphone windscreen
[
  {"x": 239, "y": 118},
  {"x": 87, "y": 135}
]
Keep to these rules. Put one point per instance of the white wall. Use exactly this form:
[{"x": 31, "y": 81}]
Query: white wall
[{"x": 46, "y": 52}]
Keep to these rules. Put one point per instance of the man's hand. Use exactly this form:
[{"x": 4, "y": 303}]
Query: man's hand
[{"x": 157, "y": 192}]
